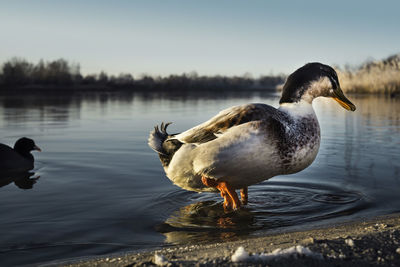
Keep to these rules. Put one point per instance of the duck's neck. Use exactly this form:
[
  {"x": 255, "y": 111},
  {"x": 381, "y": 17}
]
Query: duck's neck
[
  {"x": 25, "y": 154},
  {"x": 298, "y": 109}
]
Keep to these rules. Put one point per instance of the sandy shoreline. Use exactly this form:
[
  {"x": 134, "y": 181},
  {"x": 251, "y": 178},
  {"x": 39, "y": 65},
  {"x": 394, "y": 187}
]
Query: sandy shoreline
[{"x": 369, "y": 242}]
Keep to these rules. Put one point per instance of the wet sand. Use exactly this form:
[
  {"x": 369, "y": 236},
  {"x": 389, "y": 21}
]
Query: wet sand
[{"x": 371, "y": 242}]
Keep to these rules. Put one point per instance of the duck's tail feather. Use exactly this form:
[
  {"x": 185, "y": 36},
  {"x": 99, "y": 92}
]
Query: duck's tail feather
[
  {"x": 159, "y": 142},
  {"x": 157, "y": 138}
]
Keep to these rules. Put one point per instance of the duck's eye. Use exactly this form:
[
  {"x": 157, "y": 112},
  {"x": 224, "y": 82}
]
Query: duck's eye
[{"x": 334, "y": 84}]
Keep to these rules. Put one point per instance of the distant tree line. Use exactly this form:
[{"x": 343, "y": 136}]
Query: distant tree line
[{"x": 18, "y": 73}]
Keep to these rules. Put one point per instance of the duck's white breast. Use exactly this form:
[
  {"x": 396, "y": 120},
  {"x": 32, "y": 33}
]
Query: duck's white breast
[{"x": 302, "y": 139}]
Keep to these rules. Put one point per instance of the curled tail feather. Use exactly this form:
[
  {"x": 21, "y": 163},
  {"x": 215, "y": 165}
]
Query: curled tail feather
[
  {"x": 157, "y": 138},
  {"x": 159, "y": 142}
]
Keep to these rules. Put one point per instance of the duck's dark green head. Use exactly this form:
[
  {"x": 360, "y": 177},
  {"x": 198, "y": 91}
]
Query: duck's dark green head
[{"x": 311, "y": 81}]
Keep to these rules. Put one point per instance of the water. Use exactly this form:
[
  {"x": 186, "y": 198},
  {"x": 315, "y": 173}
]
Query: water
[{"x": 97, "y": 188}]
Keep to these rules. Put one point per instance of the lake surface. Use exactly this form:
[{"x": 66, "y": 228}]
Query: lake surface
[{"x": 98, "y": 188}]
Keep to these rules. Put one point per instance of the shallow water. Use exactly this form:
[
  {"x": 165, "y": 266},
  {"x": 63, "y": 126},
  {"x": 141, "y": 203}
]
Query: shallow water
[{"x": 97, "y": 188}]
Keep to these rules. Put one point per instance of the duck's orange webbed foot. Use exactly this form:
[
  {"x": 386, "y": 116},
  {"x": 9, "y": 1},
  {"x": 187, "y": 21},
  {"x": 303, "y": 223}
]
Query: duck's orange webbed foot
[{"x": 231, "y": 200}]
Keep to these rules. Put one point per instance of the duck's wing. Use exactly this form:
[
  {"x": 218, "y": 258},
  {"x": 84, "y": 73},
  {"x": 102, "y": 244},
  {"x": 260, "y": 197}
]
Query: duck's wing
[
  {"x": 7, "y": 153},
  {"x": 12, "y": 161},
  {"x": 223, "y": 121}
]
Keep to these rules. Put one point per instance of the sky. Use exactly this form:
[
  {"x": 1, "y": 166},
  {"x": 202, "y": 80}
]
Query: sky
[{"x": 210, "y": 37}]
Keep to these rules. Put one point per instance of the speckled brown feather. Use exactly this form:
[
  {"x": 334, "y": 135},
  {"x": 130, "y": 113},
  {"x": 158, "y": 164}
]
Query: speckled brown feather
[{"x": 224, "y": 120}]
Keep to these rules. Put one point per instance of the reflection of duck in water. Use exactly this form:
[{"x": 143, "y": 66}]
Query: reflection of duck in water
[
  {"x": 21, "y": 180},
  {"x": 245, "y": 145},
  {"x": 18, "y": 159},
  {"x": 206, "y": 221}
]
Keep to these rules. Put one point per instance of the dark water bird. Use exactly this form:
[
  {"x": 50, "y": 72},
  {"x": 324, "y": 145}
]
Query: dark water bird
[
  {"x": 18, "y": 159},
  {"x": 247, "y": 144}
]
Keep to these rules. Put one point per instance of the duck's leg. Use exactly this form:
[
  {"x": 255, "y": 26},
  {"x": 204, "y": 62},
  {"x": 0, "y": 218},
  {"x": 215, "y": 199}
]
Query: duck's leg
[
  {"x": 227, "y": 189},
  {"x": 244, "y": 196},
  {"x": 213, "y": 183},
  {"x": 227, "y": 200},
  {"x": 231, "y": 199}
]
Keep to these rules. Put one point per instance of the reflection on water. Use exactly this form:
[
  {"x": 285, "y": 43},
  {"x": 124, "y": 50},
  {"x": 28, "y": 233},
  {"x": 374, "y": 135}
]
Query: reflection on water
[
  {"x": 21, "y": 180},
  {"x": 206, "y": 221},
  {"x": 102, "y": 190},
  {"x": 273, "y": 205},
  {"x": 65, "y": 106}
]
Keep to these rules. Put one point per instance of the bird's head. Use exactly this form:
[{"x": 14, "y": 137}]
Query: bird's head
[
  {"x": 311, "y": 81},
  {"x": 25, "y": 145}
]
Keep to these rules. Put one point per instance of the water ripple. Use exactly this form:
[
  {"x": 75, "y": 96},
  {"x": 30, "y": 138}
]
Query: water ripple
[{"x": 271, "y": 205}]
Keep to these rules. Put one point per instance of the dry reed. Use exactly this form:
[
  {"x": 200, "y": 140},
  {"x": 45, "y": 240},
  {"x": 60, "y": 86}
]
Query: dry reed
[{"x": 376, "y": 77}]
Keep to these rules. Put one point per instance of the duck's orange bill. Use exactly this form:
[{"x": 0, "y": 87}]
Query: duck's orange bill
[{"x": 342, "y": 100}]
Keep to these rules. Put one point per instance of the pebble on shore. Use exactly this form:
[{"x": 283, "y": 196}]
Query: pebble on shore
[
  {"x": 349, "y": 242},
  {"x": 160, "y": 260}
]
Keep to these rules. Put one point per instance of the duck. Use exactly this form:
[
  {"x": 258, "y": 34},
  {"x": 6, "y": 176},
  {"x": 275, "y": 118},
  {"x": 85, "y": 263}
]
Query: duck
[
  {"x": 18, "y": 159},
  {"x": 248, "y": 144}
]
